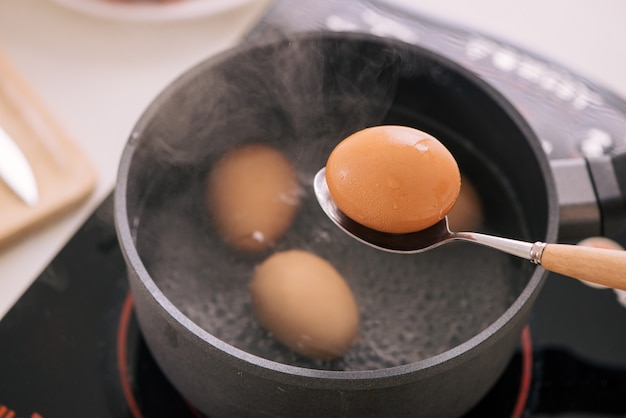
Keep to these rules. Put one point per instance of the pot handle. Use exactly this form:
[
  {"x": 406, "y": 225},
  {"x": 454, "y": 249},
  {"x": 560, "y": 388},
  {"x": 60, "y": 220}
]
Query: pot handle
[
  {"x": 592, "y": 195},
  {"x": 595, "y": 265},
  {"x": 608, "y": 175}
]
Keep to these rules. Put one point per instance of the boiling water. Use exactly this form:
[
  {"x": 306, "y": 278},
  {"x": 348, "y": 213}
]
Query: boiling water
[{"x": 411, "y": 307}]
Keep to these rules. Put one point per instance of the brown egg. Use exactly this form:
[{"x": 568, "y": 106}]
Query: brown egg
[
  {"x": 393, "y": 179},
  {"x": 253, "y": 196},
  {"x": 467, "y": 213},
  {"x": 305, "y": 303}
]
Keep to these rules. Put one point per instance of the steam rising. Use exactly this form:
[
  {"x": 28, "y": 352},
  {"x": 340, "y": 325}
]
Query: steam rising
[
  {"x": 281, "y": 92},
  {"x": 301, "y": 96}
]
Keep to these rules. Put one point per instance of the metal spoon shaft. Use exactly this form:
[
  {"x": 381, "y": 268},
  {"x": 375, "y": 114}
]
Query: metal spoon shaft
[
  {"x": 517, "y": 248},
  {"x": 600, "y": 266}
]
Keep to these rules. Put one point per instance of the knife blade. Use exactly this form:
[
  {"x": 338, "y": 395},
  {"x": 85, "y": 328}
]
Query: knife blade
[{"x": 15, "y": 170}]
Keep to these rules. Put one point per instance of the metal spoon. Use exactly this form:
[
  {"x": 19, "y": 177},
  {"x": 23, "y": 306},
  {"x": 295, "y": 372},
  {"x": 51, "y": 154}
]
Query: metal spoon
[{"x": 600, "y": 266}]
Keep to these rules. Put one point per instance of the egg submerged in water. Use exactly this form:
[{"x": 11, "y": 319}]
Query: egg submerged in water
[
  {"x": 303, "y": 301},
  {"x": 467, "y": 213},
  {"x": 394, "y": 179},
  {"x": 253, "y": 195}
]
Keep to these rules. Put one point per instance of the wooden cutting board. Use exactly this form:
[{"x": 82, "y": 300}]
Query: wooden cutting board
[{"x": 65, "y": 177}]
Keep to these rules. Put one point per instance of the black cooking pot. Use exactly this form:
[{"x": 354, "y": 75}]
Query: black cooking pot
[{"x": 437, "y": 329}]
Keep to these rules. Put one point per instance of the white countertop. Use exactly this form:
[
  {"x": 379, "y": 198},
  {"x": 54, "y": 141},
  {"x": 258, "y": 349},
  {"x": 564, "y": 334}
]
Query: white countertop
[{"x": 97, "y": 75}]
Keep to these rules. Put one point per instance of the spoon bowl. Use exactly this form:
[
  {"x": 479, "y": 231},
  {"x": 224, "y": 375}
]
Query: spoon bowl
[{"x": 600, "y": 266}]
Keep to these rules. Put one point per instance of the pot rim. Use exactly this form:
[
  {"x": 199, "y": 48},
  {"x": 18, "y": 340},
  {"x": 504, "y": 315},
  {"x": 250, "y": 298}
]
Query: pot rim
[{"x": 259, "y": 365}]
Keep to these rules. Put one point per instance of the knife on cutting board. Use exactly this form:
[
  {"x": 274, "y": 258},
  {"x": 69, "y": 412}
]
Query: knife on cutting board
[
  {"x": 39, "y": 161},
  {"x": 15, "y": 170}
]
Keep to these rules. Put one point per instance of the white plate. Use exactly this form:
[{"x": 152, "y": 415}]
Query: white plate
[{"x": 151, "y": 11}]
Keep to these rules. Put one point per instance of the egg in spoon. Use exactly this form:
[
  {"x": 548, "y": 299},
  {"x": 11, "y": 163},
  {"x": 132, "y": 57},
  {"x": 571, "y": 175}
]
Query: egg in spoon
[
  {"x": 399, "y": 204},
  {"x": 393, "y": 179}
]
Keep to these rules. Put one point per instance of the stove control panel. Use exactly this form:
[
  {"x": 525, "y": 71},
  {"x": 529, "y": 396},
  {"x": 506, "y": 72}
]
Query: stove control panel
[{"x": 572, "y": 116}]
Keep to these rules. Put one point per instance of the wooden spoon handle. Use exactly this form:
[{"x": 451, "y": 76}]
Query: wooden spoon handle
[{"x": 596, "y": 265}]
